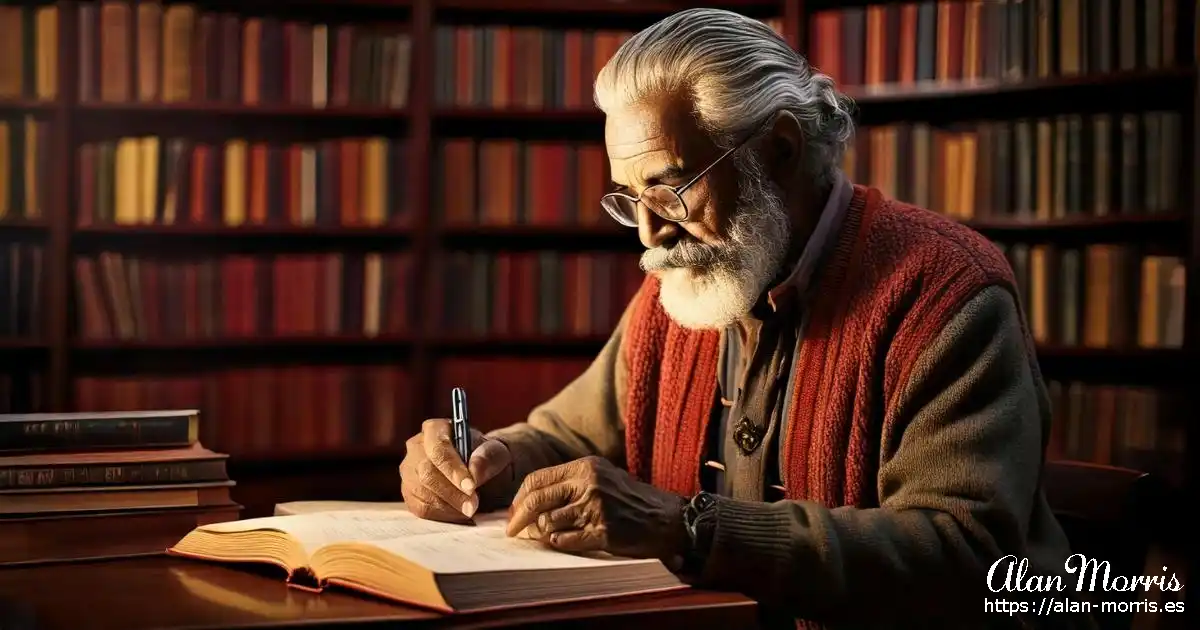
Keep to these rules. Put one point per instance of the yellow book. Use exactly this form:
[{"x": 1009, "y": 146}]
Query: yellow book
[
  {"x": 33, "y": 200},
  {"x": 1149, "y": 309},
  {"x": 148, "y": 180},
  {"x": 390, "y": 553},
  {"x": 374, "y": 181},
  {"x": 235, "y": 183},
  {"x": 127, "y": 197},
  {"x": 46, "y": 77},
  {"x": 5, "y": 169}
]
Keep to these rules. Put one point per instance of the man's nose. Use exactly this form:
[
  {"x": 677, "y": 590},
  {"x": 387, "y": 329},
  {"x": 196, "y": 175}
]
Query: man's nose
[{"x": 653, "y": 230}]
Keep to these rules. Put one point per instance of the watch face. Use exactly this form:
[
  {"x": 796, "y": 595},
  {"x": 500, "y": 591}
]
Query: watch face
[{"x": 704, "y": 501}]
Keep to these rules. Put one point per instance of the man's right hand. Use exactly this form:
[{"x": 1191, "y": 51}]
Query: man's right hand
[{"x": 433, "y": 479}]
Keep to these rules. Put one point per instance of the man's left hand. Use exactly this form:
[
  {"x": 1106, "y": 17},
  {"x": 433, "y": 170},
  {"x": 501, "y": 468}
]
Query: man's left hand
[{"x": 591, "y": 505}]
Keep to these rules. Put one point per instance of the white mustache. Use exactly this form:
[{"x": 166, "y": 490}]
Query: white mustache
[{"x": 684, "y": 254}]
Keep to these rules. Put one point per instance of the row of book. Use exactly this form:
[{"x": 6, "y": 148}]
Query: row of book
[
  {"x": 261, "y": 410},
  {"x": 1042, "y": 168},
  {"x": 523, "y": 67},
  {"x": 519, "y": 66},
  {"x": 21, "y": 286},
  {"x": 24, "y": 168},
  {"x": 1100, "y": 296},
  {"x": 102, "y": 485},
  {"x": 176, "y": 53},
  {"x": 122, "y": 297},
  {"x": 169, "y": 181},
  {"x": 147, "y": 52},
  {"x": 1031, "y": 169},
  {"x": 500, "y": 182},
  {"x": 535, "y": 293},
  {"x": 1135, "y": 427},
  {"x": 28, "y": 51},
  {"x": 1001, "y": 40}
]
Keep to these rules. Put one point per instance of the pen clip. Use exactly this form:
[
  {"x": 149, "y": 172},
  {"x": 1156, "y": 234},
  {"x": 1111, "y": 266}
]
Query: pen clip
[
  {"x": 458, "y": 401},
  {"x": 460, "y": 424}
]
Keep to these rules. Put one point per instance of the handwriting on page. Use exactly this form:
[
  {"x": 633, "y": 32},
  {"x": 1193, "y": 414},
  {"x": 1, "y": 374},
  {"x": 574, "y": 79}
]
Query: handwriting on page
[{"x": 469, "y": 550}]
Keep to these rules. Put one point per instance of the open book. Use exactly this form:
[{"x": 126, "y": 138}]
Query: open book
[{"x": 393, "y": 554}]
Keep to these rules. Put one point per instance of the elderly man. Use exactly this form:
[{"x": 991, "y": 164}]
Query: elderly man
[{"x": 819, "y": 397}]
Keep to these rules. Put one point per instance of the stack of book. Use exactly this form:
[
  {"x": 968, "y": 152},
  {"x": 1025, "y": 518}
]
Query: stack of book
[{"x": 95, "y": 485}]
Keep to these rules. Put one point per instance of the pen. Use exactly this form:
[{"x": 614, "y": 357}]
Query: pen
[{"x": 462, "y": 430}]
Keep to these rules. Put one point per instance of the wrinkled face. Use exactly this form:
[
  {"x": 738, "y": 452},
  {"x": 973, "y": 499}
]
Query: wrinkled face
[{"x": 713, "y": 267}]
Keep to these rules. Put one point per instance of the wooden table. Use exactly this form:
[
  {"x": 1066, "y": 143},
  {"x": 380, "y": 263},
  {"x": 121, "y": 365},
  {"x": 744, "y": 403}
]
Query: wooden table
[{"x": 163, "y": 592}]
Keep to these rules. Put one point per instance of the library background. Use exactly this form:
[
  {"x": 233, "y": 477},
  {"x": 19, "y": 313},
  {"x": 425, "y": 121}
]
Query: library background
[{"x": 311, "y": 219}]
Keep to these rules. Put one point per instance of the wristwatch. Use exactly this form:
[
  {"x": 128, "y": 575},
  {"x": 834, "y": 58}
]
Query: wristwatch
[{"x": 699, "y": 518}]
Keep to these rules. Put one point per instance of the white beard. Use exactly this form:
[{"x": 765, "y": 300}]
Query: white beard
[{"x": 712, "y": 286}]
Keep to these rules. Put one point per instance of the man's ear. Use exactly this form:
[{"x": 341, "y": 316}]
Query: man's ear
[{"x": 785, "y": 147}]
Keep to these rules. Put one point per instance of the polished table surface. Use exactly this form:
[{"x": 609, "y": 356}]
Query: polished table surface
[{"x": 173, "y": 593}]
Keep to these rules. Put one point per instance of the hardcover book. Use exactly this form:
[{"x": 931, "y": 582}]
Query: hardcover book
[{"x": 393, "y": 554}]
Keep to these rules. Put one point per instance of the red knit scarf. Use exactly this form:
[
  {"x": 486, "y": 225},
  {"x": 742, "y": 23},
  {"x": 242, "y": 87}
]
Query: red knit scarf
[{"x": 890, "y": 285}]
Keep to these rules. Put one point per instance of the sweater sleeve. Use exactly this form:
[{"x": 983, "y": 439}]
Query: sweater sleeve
[
  {"x": 956, "y": 489},
  {"x": 583, "y": 419}
]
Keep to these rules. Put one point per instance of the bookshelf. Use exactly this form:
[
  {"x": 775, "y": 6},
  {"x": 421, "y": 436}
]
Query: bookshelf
[{"x": 398, "y": 123}]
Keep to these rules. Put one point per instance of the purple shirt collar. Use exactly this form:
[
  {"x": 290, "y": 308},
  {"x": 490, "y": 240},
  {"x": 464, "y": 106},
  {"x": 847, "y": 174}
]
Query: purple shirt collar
[{"x": 822, "y": 237}]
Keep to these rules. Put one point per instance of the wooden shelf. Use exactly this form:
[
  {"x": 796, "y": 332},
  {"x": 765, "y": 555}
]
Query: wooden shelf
[
  {"x": 22, "y": 226},
  {"x": 244, "y": 231},
  {"x": 529, "y": 124},
  {"x": 243, "y": 238},
  {"x": 1163, "y": 228},
  {"x": 600, "y": 6},
  {"x": 519, "y": 115},
  {"x": 200, "y": 355},
  {"x": 234, "y": 343},
  {"x": 812, "y": 6},
  {"x": 892, "y": 93},
  {"x": 20, "y": 343},
  {"x": 292, "y": 112},
  {"x": 27, "y": 105},
  {"x": 525, "y": 344},
  {"x": 985, "y": 99},
  {"x": 276, "y": 6},
  {"x": 552, "y": 237}
]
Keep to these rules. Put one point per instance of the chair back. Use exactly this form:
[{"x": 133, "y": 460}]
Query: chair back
[{"x": 1108, "y": 513}]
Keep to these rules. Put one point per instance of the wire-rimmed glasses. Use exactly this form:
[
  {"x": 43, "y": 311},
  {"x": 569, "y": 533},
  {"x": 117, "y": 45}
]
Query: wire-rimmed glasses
[{"x": 661, "y": 199}]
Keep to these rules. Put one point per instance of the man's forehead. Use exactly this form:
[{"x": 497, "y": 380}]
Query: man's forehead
[{"x": 663, "y": 125}]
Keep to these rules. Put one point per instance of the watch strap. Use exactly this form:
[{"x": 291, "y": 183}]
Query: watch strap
[{"x": 699, "y": 517}]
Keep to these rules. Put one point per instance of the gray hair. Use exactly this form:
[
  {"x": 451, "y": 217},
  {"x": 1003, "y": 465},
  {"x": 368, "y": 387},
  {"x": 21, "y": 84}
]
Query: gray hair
[{"x": 738, "y": 72}]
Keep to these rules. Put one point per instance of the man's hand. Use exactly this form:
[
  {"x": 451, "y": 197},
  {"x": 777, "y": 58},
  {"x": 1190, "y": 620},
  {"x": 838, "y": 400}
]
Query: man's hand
[
  {"x": 591, "y": 505},
  {"x": 433, "y": 479}
]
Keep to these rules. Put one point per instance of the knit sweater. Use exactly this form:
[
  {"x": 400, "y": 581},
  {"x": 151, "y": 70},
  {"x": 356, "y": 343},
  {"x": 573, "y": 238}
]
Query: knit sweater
[{"x": 913, "y": 456}]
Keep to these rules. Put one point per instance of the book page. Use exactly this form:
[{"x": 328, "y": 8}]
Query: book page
[
  {"x": 311, "y": 507},
  {"x": 487, "y": 549},
  {"x": 314, "y": 531}
]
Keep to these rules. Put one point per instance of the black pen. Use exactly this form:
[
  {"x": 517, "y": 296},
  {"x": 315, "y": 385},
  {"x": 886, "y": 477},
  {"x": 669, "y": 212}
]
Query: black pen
[{"x": 462, "y": 429}]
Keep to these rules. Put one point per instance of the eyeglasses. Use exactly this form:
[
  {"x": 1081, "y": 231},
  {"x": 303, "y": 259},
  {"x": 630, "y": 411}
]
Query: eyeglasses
[{"x": 661, "y": 199}]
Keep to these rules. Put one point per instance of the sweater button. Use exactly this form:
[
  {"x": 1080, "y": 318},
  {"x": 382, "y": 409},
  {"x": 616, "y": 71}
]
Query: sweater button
[{"x": 747, "y": 435}]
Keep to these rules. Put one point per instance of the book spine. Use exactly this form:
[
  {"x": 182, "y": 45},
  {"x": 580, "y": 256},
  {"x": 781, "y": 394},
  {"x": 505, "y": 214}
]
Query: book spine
[
  {"x": 148, "y": 473},
  {"x": 50, "y": 435}
]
